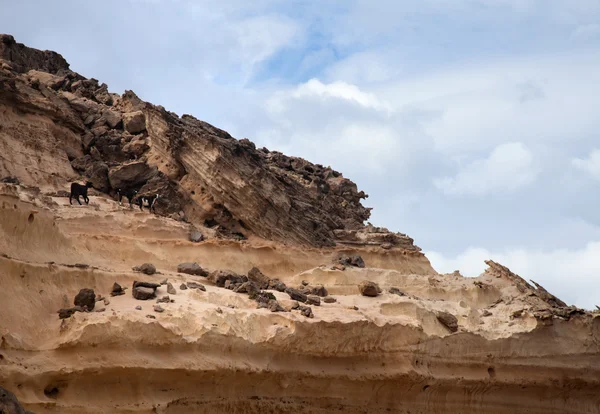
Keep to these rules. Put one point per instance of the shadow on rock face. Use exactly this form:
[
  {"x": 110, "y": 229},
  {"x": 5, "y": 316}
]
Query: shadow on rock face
[{"x": 9, "y": 403}]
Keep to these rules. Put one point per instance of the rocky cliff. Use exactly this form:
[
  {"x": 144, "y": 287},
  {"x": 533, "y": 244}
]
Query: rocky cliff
[
  {"x": 202, "y": 307},
  {"x": 71, "y": 125}
]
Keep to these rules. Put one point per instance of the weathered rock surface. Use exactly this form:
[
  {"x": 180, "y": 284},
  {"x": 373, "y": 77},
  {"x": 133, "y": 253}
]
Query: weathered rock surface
[{"x": 8, "y": 402}]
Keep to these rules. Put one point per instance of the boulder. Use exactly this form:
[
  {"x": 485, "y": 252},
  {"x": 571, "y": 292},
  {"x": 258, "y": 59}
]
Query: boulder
[
  {"x": 146, "y": 285},
  {"x": 313, "y": 300},
  {"x": 117, "y": 290},
  {"x": 368, "y": 288},
  {"x": 111, "y": 118},
  {"x": 134, "y": 122},
  {"x": 277, "y": 285},
  {"x": 274, "y": 306},
  {"x": 183, "y": 287},
  {"x": 143, "y": 293},
  {"x": 85, "y": 297},
  {"x": 9, "y": 403},
  {"x": 171, "y": 289},
  {"x": 256, "y": 276},
  {"x": 97, "y": 174},
  {"x": 146, "y": 268},
  {"x": 318, "y": 290},
  {"x": 191, "y": 269},
  {"x": 248, "y": 287},
  {"x": 448, "y": 320},
  {"x": 353, "y": 260},
  {"x": 136, "y": 149},
  {"x": 196, "y": 236},
  {"x": 296, "y": 294},
  {"x": 306, "y": 311},
  {"x": 219, "y": 277},
  {"x": 132, "y": 175}
]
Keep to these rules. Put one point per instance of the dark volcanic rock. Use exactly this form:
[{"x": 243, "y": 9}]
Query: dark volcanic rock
[
  {"x": 313, "y": 300},
  {"x": 143, "y": 293},
  {"x": 396, "y": 291},
  {"x": 219, "y": 277},
  {"x": 329, "y": 299},
  {"x": 85, "y": 297},
  {"x": 194, "y": 285},
  {"x": 296, "y": 294},
  {"x": 24, "y": 58},
  {"x": 117, "y": 290},
  {"x": 132, "y": 175},
  {"x": 191, "y": 269},
  {"x": 354, "y": 260},
  {"x": 368, "y": 288},
  {"x": 248, "y": 287},
  {"x": 8, "y": 402},
  {"x": 256, "y": 276}
]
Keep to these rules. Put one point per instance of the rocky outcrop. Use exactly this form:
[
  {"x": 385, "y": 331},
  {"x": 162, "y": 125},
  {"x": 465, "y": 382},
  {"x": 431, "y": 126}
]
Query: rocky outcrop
[
  {"x": 202, "y": 174},
  {"x": 8, "y": 402}
]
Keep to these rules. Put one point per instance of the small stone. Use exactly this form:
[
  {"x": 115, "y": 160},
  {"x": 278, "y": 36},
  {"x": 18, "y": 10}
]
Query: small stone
[
  {"x": 171, "y": 289},
  {"x": 196, "y": 237},
  {"x": 183, "y": 287},
  {"x": 117, "y": 290},
  {"x": 306, "y": 311},
  {"x": 486, "y": 313},
  {"x": 138, "y": 307},
  {"x": 329, "y": 299},
  {"x": 158, "y": 308},
  {"x": 164, "y": 299},
  {"x": 106, "y": 302},
  {"x": 295, "y": 305},
  {"x": 194, "y": 285},
  {"x": 150, "y": 316},
  {"x": 305, "y": 282},
  {"x": 338, "y": 267},
  {"x": 219, "y": 310},
  {"x": 164, "y": 282}
]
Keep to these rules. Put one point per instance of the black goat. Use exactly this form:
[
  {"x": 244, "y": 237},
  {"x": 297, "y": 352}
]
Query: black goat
[
  {"x": 130, "y": 194},
  {"x": 149, "y": 201},
  {"x": 79, "y": 190}
]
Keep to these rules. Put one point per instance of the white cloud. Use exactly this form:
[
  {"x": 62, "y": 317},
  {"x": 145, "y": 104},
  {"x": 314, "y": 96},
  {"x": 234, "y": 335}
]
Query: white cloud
[
  {"x": 591, "y": 165},
  {"x": 339, "y": 90},
  {"x": 509, "y": 167},
  {"x": 571, "y": 275}
]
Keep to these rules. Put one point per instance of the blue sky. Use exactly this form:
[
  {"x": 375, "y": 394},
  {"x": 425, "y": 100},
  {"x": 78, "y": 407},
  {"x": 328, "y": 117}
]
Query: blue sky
[{"x": 472, "y": 124}]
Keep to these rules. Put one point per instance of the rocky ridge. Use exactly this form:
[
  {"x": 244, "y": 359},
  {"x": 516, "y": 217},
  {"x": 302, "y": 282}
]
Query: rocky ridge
[{"x": 74, "y": 125}]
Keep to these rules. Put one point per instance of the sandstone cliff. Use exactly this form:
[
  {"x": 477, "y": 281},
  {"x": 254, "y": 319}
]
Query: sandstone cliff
[
  {"x": 342, "y": 317},
  {"x": 71, "y": 125}
]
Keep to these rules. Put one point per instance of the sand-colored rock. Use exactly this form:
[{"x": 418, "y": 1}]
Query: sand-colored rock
[{"x": 424, "y": 343}]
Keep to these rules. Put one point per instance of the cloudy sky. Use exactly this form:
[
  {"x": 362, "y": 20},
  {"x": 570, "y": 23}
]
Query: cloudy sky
[{"x": 472, "y": 124}]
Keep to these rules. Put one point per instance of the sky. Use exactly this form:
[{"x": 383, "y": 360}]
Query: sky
[{"x": 473, "y": 125}]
